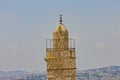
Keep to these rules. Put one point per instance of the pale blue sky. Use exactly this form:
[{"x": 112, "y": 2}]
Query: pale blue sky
[{"x": 25, "y": 24}]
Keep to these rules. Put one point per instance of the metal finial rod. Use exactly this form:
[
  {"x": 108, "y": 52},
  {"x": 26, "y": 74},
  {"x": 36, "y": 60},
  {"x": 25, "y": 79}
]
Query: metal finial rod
[{"x": 61, "y": 19}]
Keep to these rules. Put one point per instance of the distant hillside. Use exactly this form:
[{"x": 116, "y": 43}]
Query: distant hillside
[{"x": 105, "y": 73}]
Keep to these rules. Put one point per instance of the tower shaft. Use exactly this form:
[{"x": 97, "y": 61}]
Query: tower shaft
[{"x": 60, "y": 56}]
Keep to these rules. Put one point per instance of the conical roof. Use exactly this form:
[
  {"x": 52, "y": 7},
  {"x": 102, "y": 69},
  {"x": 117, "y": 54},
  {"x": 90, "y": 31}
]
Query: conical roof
[{"x": 61, "y": 28}]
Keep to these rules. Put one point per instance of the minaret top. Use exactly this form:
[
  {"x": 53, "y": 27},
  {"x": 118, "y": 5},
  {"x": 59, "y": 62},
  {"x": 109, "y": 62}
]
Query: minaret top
[
  {"x": 61, "y": 27},
  {"x": 61, "y": 19}
]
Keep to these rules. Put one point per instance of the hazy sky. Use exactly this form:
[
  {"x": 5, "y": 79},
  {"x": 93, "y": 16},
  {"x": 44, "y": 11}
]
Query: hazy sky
[{"x": 25, "y": 24}]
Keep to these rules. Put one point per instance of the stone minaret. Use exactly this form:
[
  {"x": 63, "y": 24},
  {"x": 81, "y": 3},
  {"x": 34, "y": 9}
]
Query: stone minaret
[{"x": 60, "y": 55}]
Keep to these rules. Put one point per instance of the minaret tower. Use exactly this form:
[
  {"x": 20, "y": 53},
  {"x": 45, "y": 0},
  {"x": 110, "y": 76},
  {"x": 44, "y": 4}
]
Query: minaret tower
[{"x": 60, "y": 55}]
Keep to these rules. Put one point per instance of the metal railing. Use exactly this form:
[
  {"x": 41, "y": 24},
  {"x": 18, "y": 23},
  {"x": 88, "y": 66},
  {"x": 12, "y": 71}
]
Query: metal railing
[{"x": 49, "y": 43}]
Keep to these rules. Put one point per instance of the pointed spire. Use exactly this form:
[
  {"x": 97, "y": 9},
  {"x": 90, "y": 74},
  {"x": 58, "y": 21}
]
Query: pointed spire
[{"x": 61, "y": 19}]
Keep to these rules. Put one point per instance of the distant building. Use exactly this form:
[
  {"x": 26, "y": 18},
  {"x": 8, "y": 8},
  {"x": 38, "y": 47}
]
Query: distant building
[{"x": 60, "y": 55}]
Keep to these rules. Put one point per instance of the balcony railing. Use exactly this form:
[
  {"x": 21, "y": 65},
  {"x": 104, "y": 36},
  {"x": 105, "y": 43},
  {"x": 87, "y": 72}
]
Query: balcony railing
[{"x": 49, "y": 43}]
